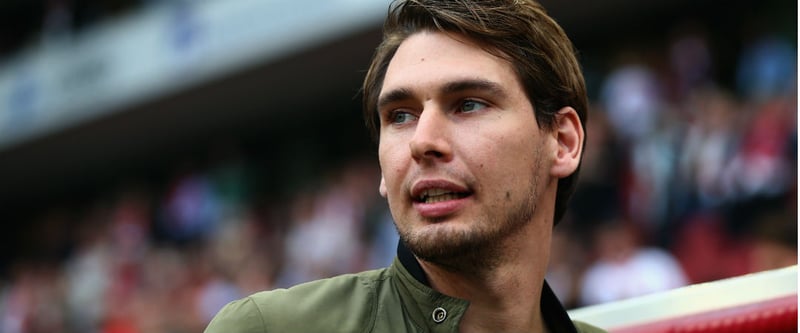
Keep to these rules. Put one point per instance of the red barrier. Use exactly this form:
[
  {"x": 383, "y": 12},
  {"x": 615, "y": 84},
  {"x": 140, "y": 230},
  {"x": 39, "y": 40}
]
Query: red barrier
[
  {"x": 773, "y": 316},
  {"x": 764, "y": 302}
]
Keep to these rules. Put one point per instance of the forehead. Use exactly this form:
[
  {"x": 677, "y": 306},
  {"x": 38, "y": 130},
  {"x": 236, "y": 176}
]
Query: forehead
[{"x": 430, "y": 59}]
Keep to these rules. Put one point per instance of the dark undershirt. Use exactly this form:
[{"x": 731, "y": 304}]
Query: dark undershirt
[{"x": 554, "y": 314}]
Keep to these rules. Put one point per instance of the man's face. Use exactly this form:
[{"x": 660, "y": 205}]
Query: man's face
[{"x": 464, "y": 163}]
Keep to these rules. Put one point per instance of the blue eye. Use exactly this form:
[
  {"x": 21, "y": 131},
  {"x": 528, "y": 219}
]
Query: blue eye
[
  {"x": 470, "y": 106},
  {"x": 401, "y": 117}
]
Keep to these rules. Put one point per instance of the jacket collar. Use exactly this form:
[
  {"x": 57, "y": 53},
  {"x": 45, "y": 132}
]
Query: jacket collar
[{"x": 554, "y": 314}]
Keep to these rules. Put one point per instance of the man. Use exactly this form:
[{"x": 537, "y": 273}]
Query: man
[{"x": 479, "y": 109}]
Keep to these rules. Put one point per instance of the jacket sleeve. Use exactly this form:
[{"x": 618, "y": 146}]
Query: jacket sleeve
[{"x": 241, "y": 316}]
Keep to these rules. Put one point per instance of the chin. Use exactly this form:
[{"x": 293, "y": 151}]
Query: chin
[{"x": 441, "y": 239}]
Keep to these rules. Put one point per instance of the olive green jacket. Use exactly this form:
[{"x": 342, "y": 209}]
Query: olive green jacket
[{"x": 385, "y": 300}]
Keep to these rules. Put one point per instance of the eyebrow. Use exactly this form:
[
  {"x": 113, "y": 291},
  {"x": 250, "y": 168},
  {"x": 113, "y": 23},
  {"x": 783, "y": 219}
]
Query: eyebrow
[
  {"x": 449, "y": 88},
  {"x": 492, "y": 88},
  {"x": 393, "y": 96}
]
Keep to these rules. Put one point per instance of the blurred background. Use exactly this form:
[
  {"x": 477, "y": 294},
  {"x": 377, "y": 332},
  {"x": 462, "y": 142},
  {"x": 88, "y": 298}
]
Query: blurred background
[{"x": 159, "y": 158}]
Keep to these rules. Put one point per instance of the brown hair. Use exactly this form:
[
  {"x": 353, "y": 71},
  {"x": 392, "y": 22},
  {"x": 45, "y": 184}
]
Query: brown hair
[{"x": 519, "y": 31}]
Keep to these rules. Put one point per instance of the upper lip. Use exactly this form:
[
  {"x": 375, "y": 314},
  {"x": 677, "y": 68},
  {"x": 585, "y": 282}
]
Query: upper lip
[{"x": 419, "y": 187}]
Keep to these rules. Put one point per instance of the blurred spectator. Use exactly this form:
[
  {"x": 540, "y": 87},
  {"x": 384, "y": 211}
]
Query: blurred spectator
[
  {"x": 33, "y": 301},
  {"x": 707, "y": 251},
  {"x": 763, "y": 68},
  {"x": 760, "y": 166},
  {"x": 331, "y": 220},
  {"x": 88, "y": 272},
  {"x": 192, "y": 210},
  {"x": 708, "y": 147},
  {"x": 625, "y": 269},
  {"x": 633, "y": 96}
]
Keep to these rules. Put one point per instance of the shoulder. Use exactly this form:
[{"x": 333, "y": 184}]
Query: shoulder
[
  {"x": 238, "y": 316},
  {"x": 586, "y": 328},
  {"x": 345, "y": 302}
]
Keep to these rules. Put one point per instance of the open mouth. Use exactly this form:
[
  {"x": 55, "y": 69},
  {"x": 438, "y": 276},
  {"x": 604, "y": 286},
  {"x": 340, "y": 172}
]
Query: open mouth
[{"x": 439, "y": 195}]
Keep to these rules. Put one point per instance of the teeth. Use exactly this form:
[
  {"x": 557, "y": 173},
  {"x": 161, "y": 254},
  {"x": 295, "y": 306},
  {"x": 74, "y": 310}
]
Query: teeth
[
  {"x": 433, "y": 192},
  {"x": 437, "y": 195},
  {"x": 440, "y": 198}
]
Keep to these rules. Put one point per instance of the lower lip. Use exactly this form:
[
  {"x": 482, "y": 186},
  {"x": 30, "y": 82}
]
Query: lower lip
[{"x": 440, "y": 209}]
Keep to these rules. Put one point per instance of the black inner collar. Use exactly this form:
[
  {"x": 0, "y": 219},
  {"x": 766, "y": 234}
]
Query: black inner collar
[
  {"x": 554, "y": 314},
  {"x": 411, "y": 264}
]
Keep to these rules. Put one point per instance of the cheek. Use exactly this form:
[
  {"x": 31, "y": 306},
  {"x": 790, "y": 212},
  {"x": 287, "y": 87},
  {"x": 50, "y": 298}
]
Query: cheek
[
  {"x": 511, "y": 161},
  {"x": 391, "y": 162},
  {"x": 498, "y": 148}
]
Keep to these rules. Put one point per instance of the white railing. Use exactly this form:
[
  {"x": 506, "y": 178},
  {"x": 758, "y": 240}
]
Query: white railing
[{"x": 761, "y": 302}]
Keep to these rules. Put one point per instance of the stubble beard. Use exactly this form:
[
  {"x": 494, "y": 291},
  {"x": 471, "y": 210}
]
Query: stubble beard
[{"x": 481, "y": 247}]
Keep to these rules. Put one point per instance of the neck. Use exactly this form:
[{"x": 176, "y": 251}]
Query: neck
[{"x": 507, "y": 297}]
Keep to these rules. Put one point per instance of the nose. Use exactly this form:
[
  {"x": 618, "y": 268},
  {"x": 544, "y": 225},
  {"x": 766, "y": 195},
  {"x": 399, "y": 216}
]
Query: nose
[{"x": 431, "y": 139}]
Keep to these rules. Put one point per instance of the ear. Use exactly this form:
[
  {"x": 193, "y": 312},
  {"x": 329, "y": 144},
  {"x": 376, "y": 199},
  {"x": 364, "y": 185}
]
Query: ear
[
  {"x": 382, "y": 187},
  {"x": 569, "y": 135}
]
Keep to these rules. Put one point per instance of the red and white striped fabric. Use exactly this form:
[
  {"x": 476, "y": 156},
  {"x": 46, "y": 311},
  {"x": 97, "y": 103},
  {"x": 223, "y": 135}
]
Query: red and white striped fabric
[{"x": 764, "y": 302}]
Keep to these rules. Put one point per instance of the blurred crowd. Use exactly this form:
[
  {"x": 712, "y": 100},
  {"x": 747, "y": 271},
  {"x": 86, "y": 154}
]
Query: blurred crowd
[
  {"x": 166, "y": 259},
  {"x": 684, "y": 180}
]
